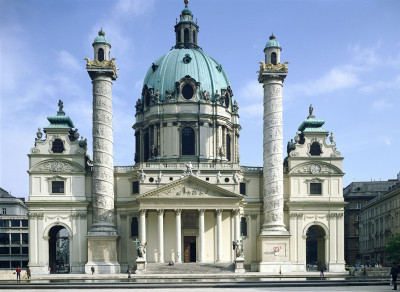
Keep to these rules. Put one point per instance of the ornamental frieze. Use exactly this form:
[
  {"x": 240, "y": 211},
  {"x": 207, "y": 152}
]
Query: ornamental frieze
[
  {"x": 35, "y": 215},
  {"x": 103, "y": 64},
  {"x": 271, "y": 67},
  {"x": 56, "y": 166}
]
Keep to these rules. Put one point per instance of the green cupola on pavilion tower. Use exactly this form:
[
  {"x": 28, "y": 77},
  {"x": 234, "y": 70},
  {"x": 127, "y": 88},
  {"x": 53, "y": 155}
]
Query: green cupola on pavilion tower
[{"x": 186, "y": 30}]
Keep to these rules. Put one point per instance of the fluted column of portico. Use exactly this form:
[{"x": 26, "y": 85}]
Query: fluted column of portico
[
  {"x": 160, "y": 235},
  {"x": 218, "y": 213},
  {"x": 236, "y": 214},
  {"x": 201, "y": 235},
  {"x": 178, "y": 212},
  {"x": 142, "y": 234}
]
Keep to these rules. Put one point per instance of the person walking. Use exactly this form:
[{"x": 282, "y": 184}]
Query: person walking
[
  {"x": 92, "y": 269},
  {"x": 28, "y": 273},
  {"x": 394, "y": 272},
  {"x": 129, "y": 273},
  {"x": 322, "y": 273},
  {"x": 18, "y": 270}
]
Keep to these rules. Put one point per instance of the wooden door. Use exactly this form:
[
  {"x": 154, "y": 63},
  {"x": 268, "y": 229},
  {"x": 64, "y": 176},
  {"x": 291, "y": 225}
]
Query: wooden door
[{"x": 189, "y": 248}]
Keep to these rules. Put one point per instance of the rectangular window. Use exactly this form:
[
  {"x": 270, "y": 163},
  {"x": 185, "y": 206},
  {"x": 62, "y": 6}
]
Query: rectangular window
[
  {"x": 15, "y": 264},
  {"x": 4, "y": 223},
  {"x": 15, "y": 223},
  {"x": 4, "y": 211},
  {"x": 243, "y": 189},
  {"x": 4, "y": 264},
  {"x": 15, "y": 238},
  {"x": 25, "y": 238},
  {"x": 358, "y": 206},
  {"x": 15, "y": 250},
  {"x": 57, "y": 187},
  {"x": 316, "y": 188},
  {"x": 135, "y": 187},
  {"x": 4, "y": 238},
  {"x": 4, "y": 250},
  {"x": 24, "y": 223},
  {"x": 25, "y": 250}
]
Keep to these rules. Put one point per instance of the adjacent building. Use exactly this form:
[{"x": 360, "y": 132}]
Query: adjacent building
[
  {"x": 357, "y": 195},
  {"x": 14, "y": 240},
  {"x": 379, "y": 219}
]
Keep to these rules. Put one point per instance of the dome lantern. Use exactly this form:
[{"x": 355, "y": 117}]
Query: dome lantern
[{"x": 186, "y": 30}]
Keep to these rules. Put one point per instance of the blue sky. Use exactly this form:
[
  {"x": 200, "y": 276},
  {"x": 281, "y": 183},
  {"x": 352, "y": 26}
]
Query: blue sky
[{"x": 344, "y": 59}]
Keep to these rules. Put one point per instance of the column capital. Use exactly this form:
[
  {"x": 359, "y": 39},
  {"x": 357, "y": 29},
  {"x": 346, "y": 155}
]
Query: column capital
[
  {"x": 218, "y": 211},
  {"x": 236, "y": 211},
  {"x": 201, "y": 211},
  {"x": 160, "y": 211},
  {"x": 178, "y": 212},
  {"x": 142, "y": 211}
]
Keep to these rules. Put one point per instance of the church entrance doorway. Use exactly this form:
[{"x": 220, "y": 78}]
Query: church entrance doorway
[
  {"x": 315, "y": 248},
  {"x": 189, "y": 247},
  {"x": 59, "y": 254}
]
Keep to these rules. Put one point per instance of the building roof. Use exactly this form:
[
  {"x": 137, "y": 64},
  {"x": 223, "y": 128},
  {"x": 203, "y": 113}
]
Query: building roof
[
  {"x": 101, "y": 38},
  {"x": 60, "y": 121},
  {"x": 272, "y": 43}
]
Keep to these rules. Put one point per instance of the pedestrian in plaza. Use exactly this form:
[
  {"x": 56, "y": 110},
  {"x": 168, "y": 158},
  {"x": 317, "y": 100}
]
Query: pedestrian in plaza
[
  {"x": 18, "y": 271},
  {"x": 129, "y": 273},
  {"x": 322, "y": 273},
  {"x": 394, "y": 272},
  {"x": 28, "y": 273},
  {"x": 92, "y": 269}
]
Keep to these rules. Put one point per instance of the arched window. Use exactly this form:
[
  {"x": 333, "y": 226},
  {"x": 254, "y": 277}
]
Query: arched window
[
  {"x": 146, "y": 146},
  {"x": 178, "y": 40},
  {"x": 315, "y": 149},
  {"x": 194, "y": 37},
  {"x": 147, "y": 99},
  {"x": 188, "y": 141},
  {"x": 58, "y": 146},
  {"x": 227, "y": 100},
  {"x": 243, "y": 226},
  {"x": 100, "y": 54},
  {"x": 228, "y": 147},
  {"x": 186, "y": 36},
  {"x": 134, "y": 227},
  {"x": 273, "y": 58}
]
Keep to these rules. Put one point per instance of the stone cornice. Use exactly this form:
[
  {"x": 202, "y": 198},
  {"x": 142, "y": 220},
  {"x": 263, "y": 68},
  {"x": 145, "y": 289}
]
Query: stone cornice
[{"x": 57, "y": 203}]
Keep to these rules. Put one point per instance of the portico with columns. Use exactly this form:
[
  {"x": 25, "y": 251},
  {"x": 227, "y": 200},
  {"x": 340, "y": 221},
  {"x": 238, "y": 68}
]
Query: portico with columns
[{"x": 200, "y": 230}]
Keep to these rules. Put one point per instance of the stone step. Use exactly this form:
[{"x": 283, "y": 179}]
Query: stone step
[{"x": 189, "y": 268}]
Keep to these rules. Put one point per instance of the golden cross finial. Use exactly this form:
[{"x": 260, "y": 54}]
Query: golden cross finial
[{"x": 186, "y": 2}]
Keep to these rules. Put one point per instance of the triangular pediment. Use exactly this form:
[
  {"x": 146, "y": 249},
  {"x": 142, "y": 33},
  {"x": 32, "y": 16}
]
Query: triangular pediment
[{"x": 190, "y": 187}]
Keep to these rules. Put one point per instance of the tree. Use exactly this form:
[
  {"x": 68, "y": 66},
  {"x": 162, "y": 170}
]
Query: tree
[{"x": 393, "y": 248}]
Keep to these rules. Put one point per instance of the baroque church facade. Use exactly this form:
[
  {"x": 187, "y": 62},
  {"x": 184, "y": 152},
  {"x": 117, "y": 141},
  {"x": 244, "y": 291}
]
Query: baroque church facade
[{"x": 186, "y": 198}]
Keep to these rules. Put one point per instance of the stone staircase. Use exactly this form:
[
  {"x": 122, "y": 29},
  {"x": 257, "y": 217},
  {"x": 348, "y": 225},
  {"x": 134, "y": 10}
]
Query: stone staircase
[{"x": 190, "y": 268}]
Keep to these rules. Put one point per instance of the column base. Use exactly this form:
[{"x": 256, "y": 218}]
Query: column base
[
  {"x": 336, "y": 267},
  {"x": 39, "y": 269},
  {"x": 140, "y": 265},
  {"x": 102, "y": 254},
  {"x": 239, "y": 265},
  {"x": 273, "y": 252}
]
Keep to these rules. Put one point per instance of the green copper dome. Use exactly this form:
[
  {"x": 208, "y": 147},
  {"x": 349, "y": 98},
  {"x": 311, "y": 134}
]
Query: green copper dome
[
  {"x": 101, "y": 38},
  {"x": 179, "y": 63},
  {"x": 186, "y": 11},
  {"x": 272, "y": 42}
]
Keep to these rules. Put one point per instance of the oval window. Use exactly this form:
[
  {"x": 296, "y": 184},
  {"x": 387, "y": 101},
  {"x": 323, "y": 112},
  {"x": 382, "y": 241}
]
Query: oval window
[{"x": 187, "y": 91}]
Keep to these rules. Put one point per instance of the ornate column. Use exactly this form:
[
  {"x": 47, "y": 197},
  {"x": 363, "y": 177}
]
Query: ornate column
[
  {"x": 178, "y": 212},
  {"x": 218, "y": 213},
  {"x": 102, "y": 237},
  {"x": 160, "y": 235},
  {"x": 142, "y": 230},
  {"x": 201, "y": 235}
]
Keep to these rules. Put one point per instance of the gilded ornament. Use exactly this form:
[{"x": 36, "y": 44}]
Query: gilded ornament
[
  {"x": 271, "y": 67},
  {"x": 102, "y": 64}
]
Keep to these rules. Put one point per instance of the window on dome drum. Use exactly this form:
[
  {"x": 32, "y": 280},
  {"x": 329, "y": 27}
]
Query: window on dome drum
[
  {"x": 57, "y": 187},
  {"x": 242, "y": 189},
  {"x": 186, "y": 36},
  {"x": 273, "y": 58},
  {"x": 188, "y": 141},
  {"x": 134, "y": 227},
  {"x": 147, "y": 99},
  {"x": 315, "y": 149},
  {"x": 243, "y": 226},
  {"x": 146, "y": 146},
  {"x": 4, "y": 211},
  {"x": 187, "y": 91},
  {"x": 100, "y": 54},
  {"x": 178, "y": 37},
  {"x": 194, "y": 37},
  {"x": 228, "y": 147},
  {"x": 315, "y": 188},
  {"x": 58, "y": 146},
  {"x": 227, "y": 100},
  {"x": 135, "y": 187}
]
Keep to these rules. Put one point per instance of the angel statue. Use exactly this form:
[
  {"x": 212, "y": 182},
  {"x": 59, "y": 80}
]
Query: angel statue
[
  {"x": 141, "y": 250},
  {"x": 238, "y": 247}
]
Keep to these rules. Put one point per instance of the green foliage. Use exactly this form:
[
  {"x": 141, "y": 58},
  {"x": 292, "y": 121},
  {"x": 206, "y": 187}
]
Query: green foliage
[{"x": 393, "y": 248}]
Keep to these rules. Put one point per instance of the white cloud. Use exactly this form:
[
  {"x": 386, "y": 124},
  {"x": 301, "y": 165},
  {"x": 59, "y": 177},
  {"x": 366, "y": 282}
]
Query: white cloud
[
  {"x": 252, "y": 90},
  {"x": 388, "y": 142},
  {"x": 68, "y": 61},
  {"x": 381, "y": 105},
  {"x": 128, "y": 8},
  {"x": 253, "y": 110}
]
